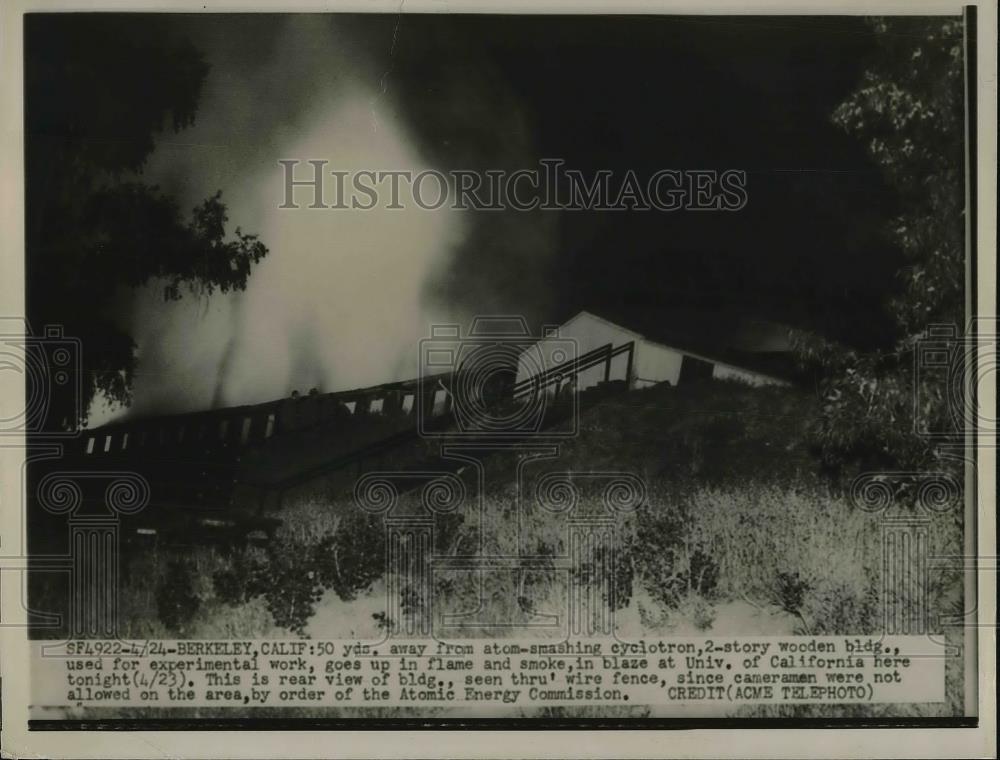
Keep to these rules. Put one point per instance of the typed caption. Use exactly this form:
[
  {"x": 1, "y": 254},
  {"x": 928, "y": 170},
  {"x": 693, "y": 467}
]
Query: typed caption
[{"x": 482, "y": 672}]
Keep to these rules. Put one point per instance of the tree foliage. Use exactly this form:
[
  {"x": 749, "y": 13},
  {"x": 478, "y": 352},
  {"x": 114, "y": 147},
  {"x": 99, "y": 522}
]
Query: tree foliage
[
  {"x": 294, "y": 571},
  {"x": 908, "y": 111},
  {"x": 99, "y": 89}
]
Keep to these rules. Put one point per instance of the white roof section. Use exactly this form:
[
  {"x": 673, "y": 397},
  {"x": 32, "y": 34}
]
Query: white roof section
[{"x": 636, "y": 336}]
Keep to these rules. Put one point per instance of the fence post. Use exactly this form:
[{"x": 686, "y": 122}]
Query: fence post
[{"x": 628, "y": 366}]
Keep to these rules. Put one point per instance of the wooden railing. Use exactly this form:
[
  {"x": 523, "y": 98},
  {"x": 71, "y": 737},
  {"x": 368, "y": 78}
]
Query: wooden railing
[
  {"x": 201, "y": 458},
  {"x": 605, "y": 355}
]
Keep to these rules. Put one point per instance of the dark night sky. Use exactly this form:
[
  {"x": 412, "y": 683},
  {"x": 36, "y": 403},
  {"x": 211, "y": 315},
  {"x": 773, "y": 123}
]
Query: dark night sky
[
  {"x": 630, "y": 92},
  {"x": 639, "y": 93},
  {"x": 645, "y": 93}
]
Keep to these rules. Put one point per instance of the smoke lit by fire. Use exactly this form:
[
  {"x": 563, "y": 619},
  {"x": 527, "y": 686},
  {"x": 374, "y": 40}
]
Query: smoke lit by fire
[{"x": 341, "y": 299}]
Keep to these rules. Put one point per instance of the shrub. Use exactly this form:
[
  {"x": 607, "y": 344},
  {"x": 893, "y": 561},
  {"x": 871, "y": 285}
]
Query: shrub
[
  {"x": 353, "y": 558},
  {"x": 292, "y": 588},
  {"x": 176, "y": 602},
  {"x": 674, "y": 561},
  {"x": 302, "y": 561},
  {"x": 834, "y": 608},
  {"x": 621, "y": 571},
  {"x": 241, "y": 579},
  {"x": 812, "y": 554},
  {"x": 703, "y": 573},
  {"x": 704, "y": 615},
  {"x": 790, "y": 592}
]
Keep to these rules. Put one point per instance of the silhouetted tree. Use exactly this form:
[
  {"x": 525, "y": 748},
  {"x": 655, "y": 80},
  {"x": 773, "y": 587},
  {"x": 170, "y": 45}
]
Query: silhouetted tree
[
  {"x": 99, "y": 88},
  {"x": 908, "y": 110}
]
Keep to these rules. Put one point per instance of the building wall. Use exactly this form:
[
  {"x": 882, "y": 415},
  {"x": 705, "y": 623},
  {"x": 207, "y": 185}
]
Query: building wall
[
  {"x": 586, "y": 334},
  {"x": 656, "y": 364},
  {"x": 652, "y": 363}
]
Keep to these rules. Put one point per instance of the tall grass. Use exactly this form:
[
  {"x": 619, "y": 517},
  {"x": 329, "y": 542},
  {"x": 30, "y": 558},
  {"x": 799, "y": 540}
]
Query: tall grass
[{"x": 735, "y": 513}]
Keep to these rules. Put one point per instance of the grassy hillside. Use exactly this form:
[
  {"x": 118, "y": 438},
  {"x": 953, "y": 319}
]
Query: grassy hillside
[
  {"x": 716, "y": 433},
  {"x": 738, "y": 534}
]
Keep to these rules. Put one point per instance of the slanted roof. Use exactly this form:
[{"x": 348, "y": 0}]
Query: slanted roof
[{"x": 755, "y": 345}]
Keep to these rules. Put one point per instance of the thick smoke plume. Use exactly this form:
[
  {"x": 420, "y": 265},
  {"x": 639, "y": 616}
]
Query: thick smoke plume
[{"x": 342, "y": 298}]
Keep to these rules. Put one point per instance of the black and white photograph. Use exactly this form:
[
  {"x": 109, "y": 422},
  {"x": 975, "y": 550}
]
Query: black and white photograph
[{"x": 402, "y": 370}]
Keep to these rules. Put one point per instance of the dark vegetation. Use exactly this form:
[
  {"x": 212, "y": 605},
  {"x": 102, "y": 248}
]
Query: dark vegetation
[{"x": 94, "y": 229}]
